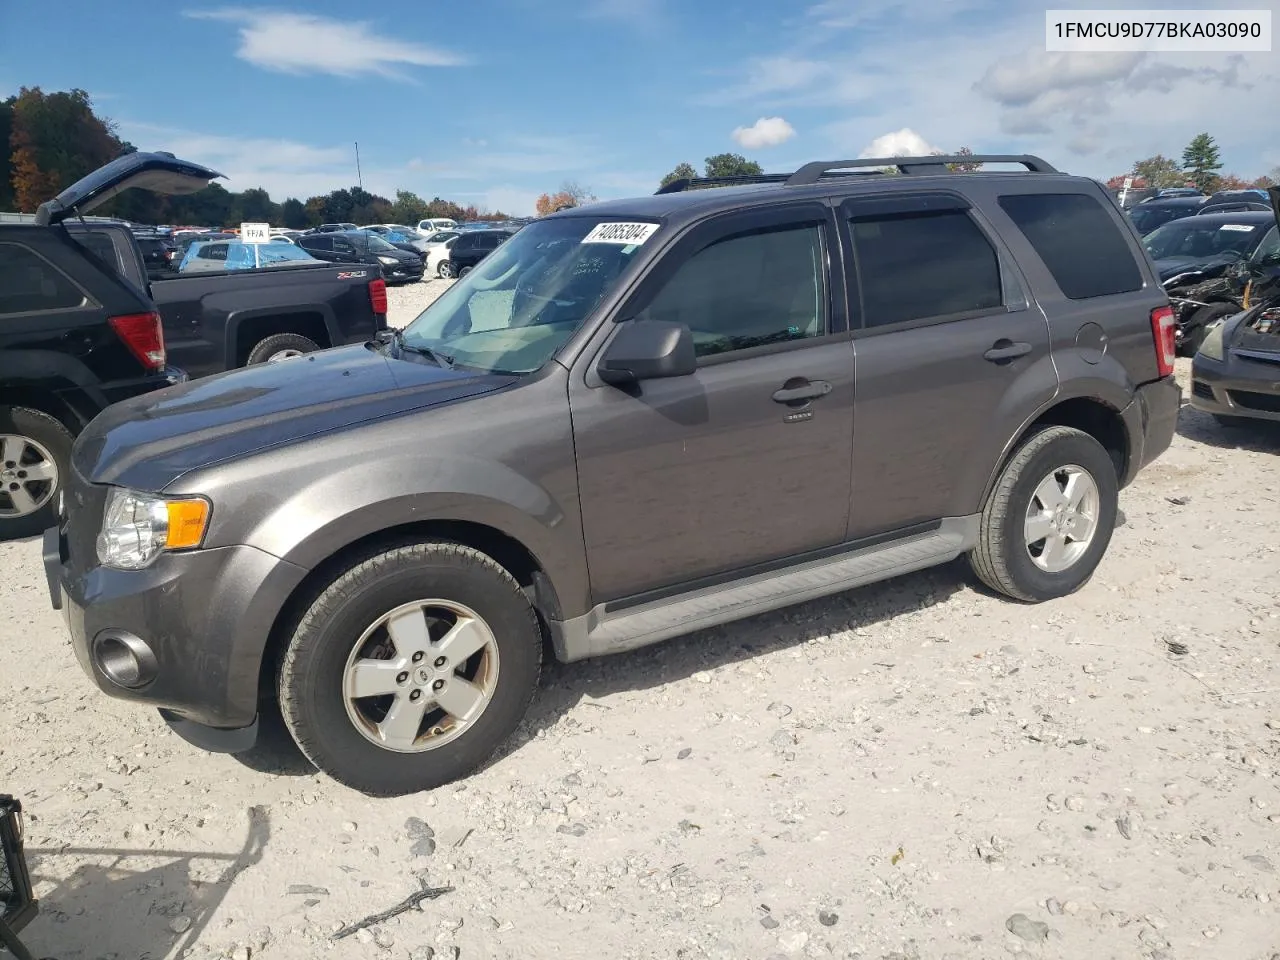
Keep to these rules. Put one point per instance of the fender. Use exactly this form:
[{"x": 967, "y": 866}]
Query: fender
[
  {"x": 1106, "y": 382},
  {"x": 236, "y": 318},
  {"x": 57, "y": 373}
]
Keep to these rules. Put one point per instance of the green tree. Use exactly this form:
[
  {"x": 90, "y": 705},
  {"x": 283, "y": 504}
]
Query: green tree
[
  {"x": 6, "y": 168},
  {"x": 56, "y": 139},
  {"x": 1159, "y": 172},
  {"x": 683, "y": 171},
  {"x": 408, "y": 208},
  {"x": 731, "y": 165},
  {"x": 964, "y": 166},
  {"x": 1201, "y": 161},
  {"x": 254, "y": 206},
  {"x": 293, "y": 214}
]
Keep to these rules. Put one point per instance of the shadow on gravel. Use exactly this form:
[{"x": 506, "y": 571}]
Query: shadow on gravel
[
  {"x": 275, "y": 753},
  {"x": 1256, "y": 436},
  {"x": 121, "y": 904},
  {"x": 564, "y": 685}
]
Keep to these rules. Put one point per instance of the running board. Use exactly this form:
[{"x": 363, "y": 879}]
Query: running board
[{"x": 600, "y": 632}]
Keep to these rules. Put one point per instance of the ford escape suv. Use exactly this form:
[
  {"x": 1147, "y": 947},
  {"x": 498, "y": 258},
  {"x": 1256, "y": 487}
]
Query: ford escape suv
[{"x": 629, "y": 422}]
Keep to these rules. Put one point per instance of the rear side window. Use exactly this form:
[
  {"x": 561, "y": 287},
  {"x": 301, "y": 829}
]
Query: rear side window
[
  {"x": 1078, "y": 241},
  {"x": 29, "y": 283},
  {"x": 913, "y": 267}
]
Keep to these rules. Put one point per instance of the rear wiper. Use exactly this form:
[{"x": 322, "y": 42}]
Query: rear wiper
[{"x": 440, "y": 359}]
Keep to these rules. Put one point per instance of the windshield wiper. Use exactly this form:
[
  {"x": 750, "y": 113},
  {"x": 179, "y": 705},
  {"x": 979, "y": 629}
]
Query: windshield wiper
[{"x": 440, "y": 359}]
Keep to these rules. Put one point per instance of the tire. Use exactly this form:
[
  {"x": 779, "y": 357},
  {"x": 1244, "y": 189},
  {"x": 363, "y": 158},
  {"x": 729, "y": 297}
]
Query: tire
[
  {"x": 338, "y": 734},
  {"x": 1197, "y": 323},
  {"x": 1003, "y": 559},
  {"x": 445, "y": 271},
  {"x": 464, "y": 271},
  {"x": 31, "y": 439},
  {"x": 281, "y": 346}
]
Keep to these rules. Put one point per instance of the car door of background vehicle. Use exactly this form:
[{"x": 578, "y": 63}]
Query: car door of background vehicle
[
  {"x": 950, "y": 356},
  {"x": 697, "y": 476}
]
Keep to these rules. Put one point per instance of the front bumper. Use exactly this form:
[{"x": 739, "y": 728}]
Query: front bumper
[
  {"x": 1236, "y": 387},
  {"x": 205, "y": 615},
  {"x": 402, "y": 273}
]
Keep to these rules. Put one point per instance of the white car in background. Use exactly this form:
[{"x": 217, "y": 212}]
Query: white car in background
[
  {"x": 435, "y": 225},
  {"x": 437, "y": 253}
]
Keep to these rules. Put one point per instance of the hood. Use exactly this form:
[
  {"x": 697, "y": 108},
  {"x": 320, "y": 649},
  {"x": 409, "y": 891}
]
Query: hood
[
  {"x": 1167, "y": 267},
  {"x": 150, "y": 441},
  {"x": 157, "y": 172}
]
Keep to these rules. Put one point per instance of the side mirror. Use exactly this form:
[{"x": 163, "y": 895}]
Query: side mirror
[{"x": 649, "y": 350}]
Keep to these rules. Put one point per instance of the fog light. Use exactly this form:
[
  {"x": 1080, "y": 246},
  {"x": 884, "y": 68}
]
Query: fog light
[{"x": 125, "y": 659}]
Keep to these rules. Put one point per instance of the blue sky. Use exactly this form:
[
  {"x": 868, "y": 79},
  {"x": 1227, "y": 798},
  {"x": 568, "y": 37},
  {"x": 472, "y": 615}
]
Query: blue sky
[{"x": 494, "y": 101}]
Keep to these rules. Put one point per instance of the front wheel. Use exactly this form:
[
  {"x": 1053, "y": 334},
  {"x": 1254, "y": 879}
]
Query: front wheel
[
  {"x": 1049, "y": 518},
  {"x": 411, "y": 668}
]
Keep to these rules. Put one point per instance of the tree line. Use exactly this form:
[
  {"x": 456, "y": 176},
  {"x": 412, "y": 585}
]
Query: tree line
[
  {"x": 54, "y": 139},
  {"x": 1199, "y": 167}
]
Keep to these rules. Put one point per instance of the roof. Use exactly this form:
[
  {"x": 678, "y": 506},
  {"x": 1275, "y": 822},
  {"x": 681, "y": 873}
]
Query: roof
[
  {"x": 1158, "y": 202},
  {"x": 1242, "y": 216}
]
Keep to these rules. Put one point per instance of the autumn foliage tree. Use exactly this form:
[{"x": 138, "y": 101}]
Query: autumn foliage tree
[{"x": 55, "y": 139}]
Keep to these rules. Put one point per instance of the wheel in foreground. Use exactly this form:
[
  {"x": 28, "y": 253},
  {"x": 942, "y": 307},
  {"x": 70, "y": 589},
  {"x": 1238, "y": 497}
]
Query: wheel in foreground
[{"x": 35, "y": 455}]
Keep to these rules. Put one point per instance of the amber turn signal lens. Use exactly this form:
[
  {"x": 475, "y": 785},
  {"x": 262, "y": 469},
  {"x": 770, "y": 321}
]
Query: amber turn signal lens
[{"x": 187, "y": 519}]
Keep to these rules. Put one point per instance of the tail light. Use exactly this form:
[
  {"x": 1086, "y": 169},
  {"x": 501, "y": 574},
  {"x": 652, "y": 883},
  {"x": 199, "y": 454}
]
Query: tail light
[
  {"x": 378, "y": 295},
  {"x": 144, "y": 336},
  {"x": 1164, "y": 331}
]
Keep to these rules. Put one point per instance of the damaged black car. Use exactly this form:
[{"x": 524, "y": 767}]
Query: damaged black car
[
  {"x": 1199, "y": 260},
  {"x": 1236, "y": 373}
]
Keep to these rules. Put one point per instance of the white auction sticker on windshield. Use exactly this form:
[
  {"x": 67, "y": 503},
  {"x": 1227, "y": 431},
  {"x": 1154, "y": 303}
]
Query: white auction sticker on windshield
[
  {"x": 625, "y": 234},
  {"x": 1239, "y": 227}
]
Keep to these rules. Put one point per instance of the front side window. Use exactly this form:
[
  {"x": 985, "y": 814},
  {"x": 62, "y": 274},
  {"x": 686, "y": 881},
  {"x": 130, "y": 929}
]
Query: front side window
[
  {"x": 29, "y": 282},
  {"x": 927, "y": 265},
  {"x": 1078, "y": 241},
  {"x": 748, "y": 290},
  {"x": 514, "y": 311}
]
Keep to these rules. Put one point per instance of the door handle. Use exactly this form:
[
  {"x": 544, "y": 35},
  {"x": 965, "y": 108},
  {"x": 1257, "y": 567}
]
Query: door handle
[
  {"x": 806, "y": 391},
  {"x": 1003, "y": 350}
]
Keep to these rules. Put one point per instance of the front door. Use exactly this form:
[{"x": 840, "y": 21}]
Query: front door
[
  {"x": 746, "y": 461},
  {"x": 951, "y": 357}
]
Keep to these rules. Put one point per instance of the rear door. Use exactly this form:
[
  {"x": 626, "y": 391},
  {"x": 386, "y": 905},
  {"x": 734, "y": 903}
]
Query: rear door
[{"x": 950, "y": 354}]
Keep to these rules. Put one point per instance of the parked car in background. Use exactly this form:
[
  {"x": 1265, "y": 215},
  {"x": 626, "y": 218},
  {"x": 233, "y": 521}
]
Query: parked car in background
[
  {"x": 1193, "y": 257},
  {"x": 1233, "y": 206},
  {"x": 357, "y": 246},
  {"x": 1156, "y": 213},
  {"x": 469, "y": 249},
  {"x": 1165, "y": 192},
  {"x": 74, "y": 337},
  {"x": 221, "y": 255},
  {"x": 333, "y": 228},
  {"x": 159, "y": 254},
  {"x": 437, "y": 256},
  {"x": 435, "y": 225},
  {"x": 184, "y": 244},
  {"x": 402, "y": 238}
]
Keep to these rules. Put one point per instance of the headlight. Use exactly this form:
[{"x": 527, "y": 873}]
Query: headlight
[
  {"x": 389, "y": 261},
  {"x": 136, "y": 527},
  {"x": 1212, "y": 345}
]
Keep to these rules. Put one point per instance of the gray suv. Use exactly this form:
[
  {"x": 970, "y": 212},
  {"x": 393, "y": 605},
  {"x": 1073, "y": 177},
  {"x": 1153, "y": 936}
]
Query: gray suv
[{"x": 632, "y": 421}]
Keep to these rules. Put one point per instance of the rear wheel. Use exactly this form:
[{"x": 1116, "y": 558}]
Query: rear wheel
[
  {"x": 1050, "y": 517},
  {"x": 281, "y": 346},
  {"x": 464, "y": 271},
  {"x": 446, "y": 270},
  {"x": 35, "y": 457},
  {"x": 411, "y": 668}
]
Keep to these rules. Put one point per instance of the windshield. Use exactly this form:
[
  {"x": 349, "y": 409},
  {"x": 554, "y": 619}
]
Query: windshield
[
  {"x": 1269, "y": 249},
  {"x": 443, "y": 236},
  {"x": 375, "y": 243},
  {"x": 519, "y": 306},
  {"x": 1196, "y": 240},
  {"x": 1149, "y": 218}
]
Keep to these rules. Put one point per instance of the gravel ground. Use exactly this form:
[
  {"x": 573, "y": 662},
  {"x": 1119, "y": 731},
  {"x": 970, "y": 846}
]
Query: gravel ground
[
  {"x": 911, "y": 770},
  {"x": 406, "y": 301}
]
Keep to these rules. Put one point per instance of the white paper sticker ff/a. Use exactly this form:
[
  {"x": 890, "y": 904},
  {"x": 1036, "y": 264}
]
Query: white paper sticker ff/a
[{"x": 625, "y": 234}]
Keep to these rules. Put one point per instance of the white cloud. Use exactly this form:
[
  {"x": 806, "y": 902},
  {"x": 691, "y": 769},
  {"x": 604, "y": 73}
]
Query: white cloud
[
  {"x": 306, "y": 43},
  {"x": 901, "y": 143},
  {"x": 765, "y": 132}
]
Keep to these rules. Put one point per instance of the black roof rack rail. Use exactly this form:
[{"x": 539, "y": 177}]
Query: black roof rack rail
[
  {"x": 694, "y": 183},
  {"x": 813, "y": 172}
]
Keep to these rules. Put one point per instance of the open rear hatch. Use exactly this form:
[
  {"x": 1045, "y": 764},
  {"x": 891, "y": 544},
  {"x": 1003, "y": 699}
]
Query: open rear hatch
[{"x": 157, "y": 172}]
